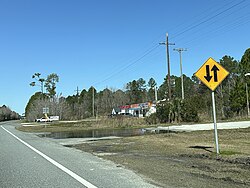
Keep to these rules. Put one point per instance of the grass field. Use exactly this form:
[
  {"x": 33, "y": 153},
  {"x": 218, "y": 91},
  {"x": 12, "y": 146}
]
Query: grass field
[
  {"x": 186, "y": 159},
  {"x": 182, "y": 159}
]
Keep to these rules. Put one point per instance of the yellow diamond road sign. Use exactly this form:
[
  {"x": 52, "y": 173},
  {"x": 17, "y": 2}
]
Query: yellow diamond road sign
[{"x": 211, "y": 73}]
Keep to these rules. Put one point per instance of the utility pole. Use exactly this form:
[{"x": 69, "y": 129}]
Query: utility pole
[
  {"x": 93, "y": 102},
  {"x": 182, "y": 82},
  {"x": 168, "y": 62},
  {"x": 247, "y": 101},
  {"x": 77, "y": 91},
  {"x": 77, "y": 95},
  {"x": 248, "y": 111},
  {"x": 156, "y": 98},
  {"x": 42, "y": 86}
]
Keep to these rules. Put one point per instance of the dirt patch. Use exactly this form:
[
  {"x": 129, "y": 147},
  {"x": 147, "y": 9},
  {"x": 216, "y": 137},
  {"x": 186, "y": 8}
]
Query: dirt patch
[{"x": 182, "y": 159}]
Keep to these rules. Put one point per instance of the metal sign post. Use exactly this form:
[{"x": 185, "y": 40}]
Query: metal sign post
[
  {"x": 45, "y": 112},
  {"x": 212, "y": 74},
  {"x": 215, "y": 125}
]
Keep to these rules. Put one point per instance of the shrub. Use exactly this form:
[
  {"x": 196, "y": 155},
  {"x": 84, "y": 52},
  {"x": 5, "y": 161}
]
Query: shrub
[
  {"x": 188, "y": 112},
  {"x": 152, "y": 119},
  {"x": 162, "y": 112}
]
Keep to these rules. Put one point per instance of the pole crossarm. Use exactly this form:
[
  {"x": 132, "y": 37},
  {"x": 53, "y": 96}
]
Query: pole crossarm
[{"x": 180, "y": 49}]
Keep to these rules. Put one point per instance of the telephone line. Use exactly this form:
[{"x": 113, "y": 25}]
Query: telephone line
[
  {"x": 192, "y": 27},
  {"x": 222, "y": 29},
  {"x": 201, "y": 17},
  {"x": 134, "y": 62},
  {"x": 186, "y": 30},
  {"x": 159, "y": 39}
]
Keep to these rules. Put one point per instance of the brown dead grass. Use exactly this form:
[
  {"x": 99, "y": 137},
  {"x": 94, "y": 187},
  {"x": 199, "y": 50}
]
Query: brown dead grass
[{"x": 182, "y": 159}]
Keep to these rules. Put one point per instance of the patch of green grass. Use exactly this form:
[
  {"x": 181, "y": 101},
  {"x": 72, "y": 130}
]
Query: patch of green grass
[
  {"x": 228, "y": 153},
  {"x": 225, "y": 153}
]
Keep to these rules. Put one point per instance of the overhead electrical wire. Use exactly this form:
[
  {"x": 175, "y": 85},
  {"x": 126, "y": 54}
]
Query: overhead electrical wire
[
  {"x": 212, "y": 29},
  {"x": 147, "y": 52},
  {"x": 127, "y": 66},
  {"x": 208, "y": 19},
  {"x": 222, "y": 29},
  {"x": 204, "y": 14}
]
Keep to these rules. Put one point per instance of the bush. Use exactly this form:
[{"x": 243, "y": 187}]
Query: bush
[
  {"x": 188, "y": 112},
  {"x": 162, "y": 112},
  {"x": 152, "y": 119}
]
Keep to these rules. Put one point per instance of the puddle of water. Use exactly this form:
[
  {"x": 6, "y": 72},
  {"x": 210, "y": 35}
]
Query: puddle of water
[{"x": 94, "y": 133}]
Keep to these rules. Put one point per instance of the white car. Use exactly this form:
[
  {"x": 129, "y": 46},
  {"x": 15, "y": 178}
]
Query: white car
[{"x": 43, "y": 119}]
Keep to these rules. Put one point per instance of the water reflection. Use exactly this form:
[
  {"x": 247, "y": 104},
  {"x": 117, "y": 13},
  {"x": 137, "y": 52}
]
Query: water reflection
[{"x": 95, "y": 133}]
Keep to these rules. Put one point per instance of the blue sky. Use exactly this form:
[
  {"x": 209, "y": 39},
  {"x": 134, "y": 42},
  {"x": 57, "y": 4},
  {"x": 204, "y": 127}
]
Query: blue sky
[{"x": 109, "y": 43}]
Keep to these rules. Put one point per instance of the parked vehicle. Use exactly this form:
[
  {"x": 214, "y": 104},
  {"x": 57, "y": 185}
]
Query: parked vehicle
[
  {"x": 43, "y": 119},
  {"x": 47, "y": 119},
  {"x": 54, "y": 118}
]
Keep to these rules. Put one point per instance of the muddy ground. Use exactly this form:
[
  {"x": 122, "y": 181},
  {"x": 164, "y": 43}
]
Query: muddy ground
[{"x": 181, "y": 159}]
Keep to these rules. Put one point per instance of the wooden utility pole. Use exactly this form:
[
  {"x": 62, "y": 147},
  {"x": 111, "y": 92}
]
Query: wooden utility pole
[
  {"x": 93, "y": 102},
  {"x": 168, "y": 63},
  {"x": 169, "y": 81},
  {"x": 156, "y": 97},
  {"x": 77, "y": 91},
  {"x": 182, "y": 82}
]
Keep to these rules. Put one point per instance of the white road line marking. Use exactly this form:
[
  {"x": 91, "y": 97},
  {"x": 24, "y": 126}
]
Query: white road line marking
[{"x": 69, "y": 172}]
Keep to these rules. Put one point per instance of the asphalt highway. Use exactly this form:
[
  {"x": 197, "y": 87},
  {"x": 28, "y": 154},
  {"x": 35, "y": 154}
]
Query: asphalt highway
[{"x": 28, "y": 161}]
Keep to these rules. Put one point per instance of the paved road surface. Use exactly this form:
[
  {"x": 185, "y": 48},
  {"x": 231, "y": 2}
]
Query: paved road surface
[
  {"x": 29, "y": 161},
  {"x": 208, "y": 126}
]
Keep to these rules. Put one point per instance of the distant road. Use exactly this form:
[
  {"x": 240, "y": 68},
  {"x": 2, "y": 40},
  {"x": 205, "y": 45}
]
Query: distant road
[
  {"x": 29, "y": 161},
  {"x": 207, "y": 126}
]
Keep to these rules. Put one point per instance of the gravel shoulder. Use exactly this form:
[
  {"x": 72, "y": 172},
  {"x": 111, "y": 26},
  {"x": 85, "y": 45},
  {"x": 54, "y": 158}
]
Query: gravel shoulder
[{"x": 185, "y": 159}]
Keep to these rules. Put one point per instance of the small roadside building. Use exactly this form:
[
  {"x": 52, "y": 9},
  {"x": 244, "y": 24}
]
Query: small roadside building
[
  {"x": 135, "y": 110},
  {"x": 116, "y": 111}
]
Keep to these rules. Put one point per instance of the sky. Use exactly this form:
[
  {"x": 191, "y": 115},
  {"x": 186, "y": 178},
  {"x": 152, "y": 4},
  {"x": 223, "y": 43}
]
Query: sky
[{"x": 107, "y": 44}]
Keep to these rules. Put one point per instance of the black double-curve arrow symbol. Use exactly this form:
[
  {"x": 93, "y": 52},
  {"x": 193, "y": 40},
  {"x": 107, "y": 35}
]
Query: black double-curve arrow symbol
[{"x": 208, "y": 77}]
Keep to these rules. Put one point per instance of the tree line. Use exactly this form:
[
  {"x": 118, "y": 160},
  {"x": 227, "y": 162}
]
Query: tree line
[
  {"x": 197, "y": 106},
  {"x": 7, "y": 114}
]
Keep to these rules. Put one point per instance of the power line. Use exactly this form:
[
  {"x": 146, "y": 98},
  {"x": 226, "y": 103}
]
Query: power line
[
  {"x": 180, "y": 33},
  {"x": 152, "y": 42},
  {"x": 129, "y": 65},
  {"x": 210, "y": 18},
  {"x": 222, "y": 29}
]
